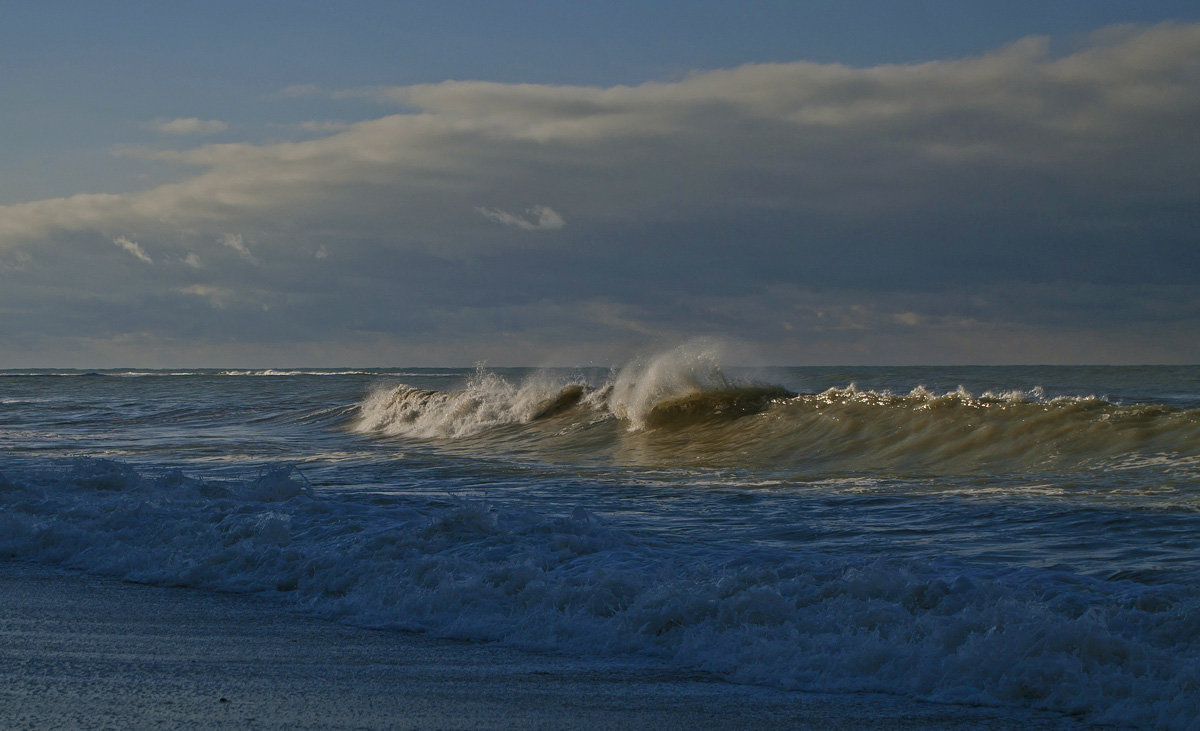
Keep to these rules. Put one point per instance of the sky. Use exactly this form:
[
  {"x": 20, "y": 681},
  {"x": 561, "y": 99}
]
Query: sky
[{"x": 262, "y": 184}]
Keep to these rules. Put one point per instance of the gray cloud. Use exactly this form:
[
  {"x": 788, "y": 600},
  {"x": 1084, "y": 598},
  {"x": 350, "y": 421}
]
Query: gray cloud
[
  {"x": 133, "y": 248},
  {"x": 322, "y": 126},
  {"x": 798, "y": 203},
  {"x": 219, "y": 297},
  {"x": 536, "y": 218},
  {"x": 238, "y": 244},
  {"x": 188, "y": 126},
  {"x": 808, "y": 138}
]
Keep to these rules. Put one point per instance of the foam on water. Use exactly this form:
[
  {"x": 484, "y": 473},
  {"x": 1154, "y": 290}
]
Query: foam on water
[
  {"x": 1115, "y": 651},
  {"x": 277, "y": 372},
  {"x": 680, "y": 408},
  {"x": 678, "y": 386},
  {"x": 486, "y": 401}
]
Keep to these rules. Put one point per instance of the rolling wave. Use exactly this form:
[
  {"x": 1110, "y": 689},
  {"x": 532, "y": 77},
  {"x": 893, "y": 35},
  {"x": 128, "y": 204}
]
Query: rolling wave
[{"x": 840, "y": 430}]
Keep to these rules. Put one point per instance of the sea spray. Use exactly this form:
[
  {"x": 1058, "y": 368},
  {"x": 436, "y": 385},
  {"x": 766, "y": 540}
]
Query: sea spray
[
  {"x": 486, "y": 401},
  {"x": 687, "y": 369},
  {"x": 683, "y": 384}
]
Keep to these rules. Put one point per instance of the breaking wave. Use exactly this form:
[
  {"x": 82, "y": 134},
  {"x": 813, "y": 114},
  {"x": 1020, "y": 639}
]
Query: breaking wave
[
  {"x": 682, "y": 386},
  {"x": 669, "y": 411}
]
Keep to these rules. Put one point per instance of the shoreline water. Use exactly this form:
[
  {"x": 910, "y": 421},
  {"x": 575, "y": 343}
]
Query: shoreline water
[
  {"x": 85, "y": 652},
  {"x": 1013, "y": 538}
]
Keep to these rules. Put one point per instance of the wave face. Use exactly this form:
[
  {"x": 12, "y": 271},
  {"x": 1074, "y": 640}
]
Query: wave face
[{"x": 642, "y": 417}]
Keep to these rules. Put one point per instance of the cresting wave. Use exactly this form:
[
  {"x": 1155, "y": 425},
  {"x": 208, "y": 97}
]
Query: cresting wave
[
  {"x": 1113, "y": 651},
  {"x": 682, "y": 386},
  {"x": 717, "y": 421},
  {"x": 277, "y": 372}
]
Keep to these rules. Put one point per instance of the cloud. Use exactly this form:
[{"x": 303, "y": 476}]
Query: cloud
[
  {"x": 538, "y": 218},
  {"x": 133, "y": 248},
  {"x": 913, "y": 192},
  {"x": 297, "y": 91},
  {"x": 801, "y": 138},
  {"x": 188, "y": 126},
  {"x": 193, "y": 260},
  {"x": 238, "y": 244},
  {"x": 15, "y": 263},
  {"x": 218, "y": 297},
  {"x": 322, "y": 126}
]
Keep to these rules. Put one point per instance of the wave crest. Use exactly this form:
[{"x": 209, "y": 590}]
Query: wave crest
[
  {"x": 840, "y": 430},
  {"x": 487, "y": 401},
  {"x": 677, "y": 388},
  {"x": 683, "y": 385}
]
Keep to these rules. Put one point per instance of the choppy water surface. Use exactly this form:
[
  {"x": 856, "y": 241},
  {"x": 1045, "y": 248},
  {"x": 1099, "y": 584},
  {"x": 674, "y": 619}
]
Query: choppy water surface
[{"x": 1004, "y": 536}]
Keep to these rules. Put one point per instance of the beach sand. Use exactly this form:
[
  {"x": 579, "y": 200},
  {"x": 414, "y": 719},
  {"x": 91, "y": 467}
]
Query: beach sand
[{"x": 85, "y": 652}]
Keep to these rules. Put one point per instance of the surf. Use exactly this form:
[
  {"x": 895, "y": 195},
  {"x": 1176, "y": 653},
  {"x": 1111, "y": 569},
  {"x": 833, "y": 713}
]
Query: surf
[
  {"x": 682, "y": 408},
  {"x": 673, "y": 389}
]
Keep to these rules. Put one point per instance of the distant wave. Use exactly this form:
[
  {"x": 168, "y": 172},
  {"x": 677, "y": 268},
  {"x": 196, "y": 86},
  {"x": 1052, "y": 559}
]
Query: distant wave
[
  {"x": 145, "y": 373},
  {"x": 49, "y": 374},
  {"x": 277, "y": 372}
]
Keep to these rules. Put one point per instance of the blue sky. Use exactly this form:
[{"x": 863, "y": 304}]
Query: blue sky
[{"x": 271, "y": 183}]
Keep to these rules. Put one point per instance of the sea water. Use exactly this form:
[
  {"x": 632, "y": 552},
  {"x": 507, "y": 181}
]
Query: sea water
[{"x": 1006, "y": 536}]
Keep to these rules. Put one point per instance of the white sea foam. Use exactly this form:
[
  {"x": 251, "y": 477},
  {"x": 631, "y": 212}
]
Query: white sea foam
[
  {"x": 1115, "y": 651},
  {"x": 276, "y": 372},
  {"x": 486, "y": 401},
  {"x": 680, "y": 408}
]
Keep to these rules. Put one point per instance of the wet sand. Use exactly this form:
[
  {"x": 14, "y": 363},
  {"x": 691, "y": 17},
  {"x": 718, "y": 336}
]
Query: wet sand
[{"x": 87, "y": 652}]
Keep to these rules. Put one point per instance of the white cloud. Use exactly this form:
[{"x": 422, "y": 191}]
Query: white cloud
[
  {"x": 238, "y": 244},
  {"x": 218, "y": 297},
  {"x": 322, "y": 126},
  {"x": 537, "y": 218},
  {"x": 188, "y": 126},
  {"x": 133, "y": 248},
  {"x": 192, "y": 260}
]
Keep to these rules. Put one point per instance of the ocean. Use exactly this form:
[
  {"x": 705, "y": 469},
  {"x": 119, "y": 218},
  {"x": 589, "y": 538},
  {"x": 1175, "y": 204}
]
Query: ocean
[{"x": 1021, "y": 537}]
